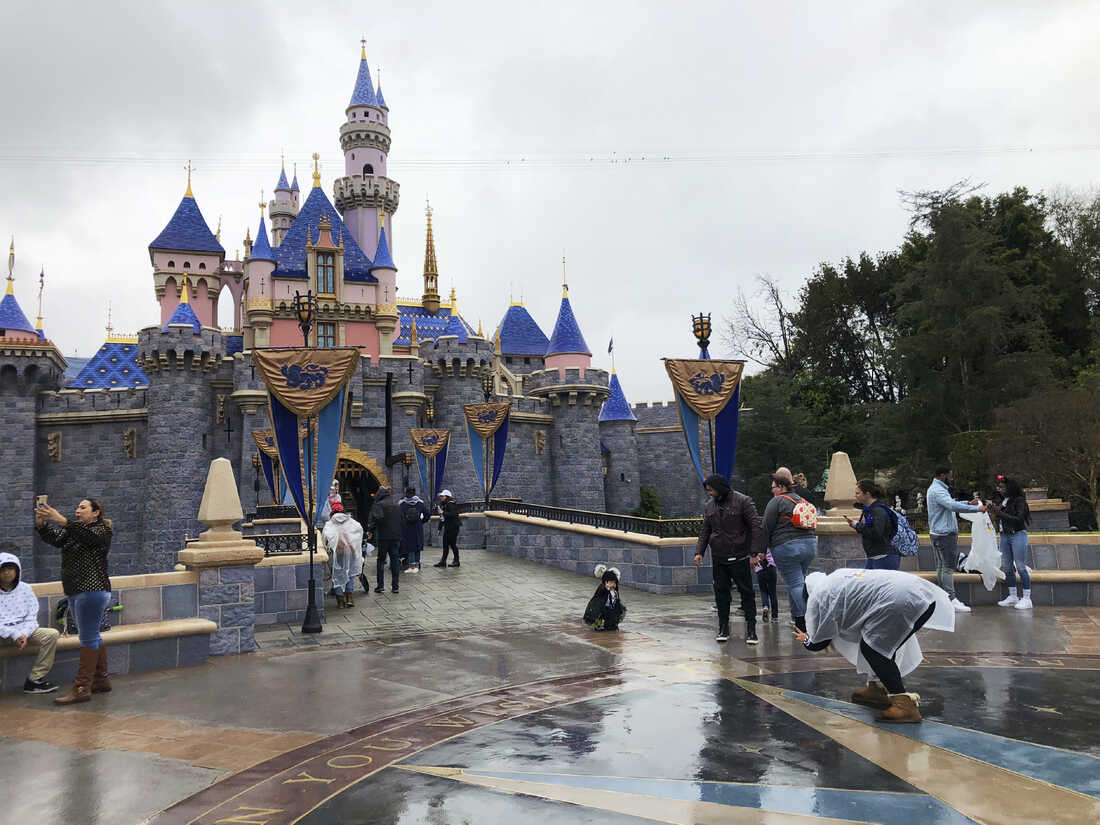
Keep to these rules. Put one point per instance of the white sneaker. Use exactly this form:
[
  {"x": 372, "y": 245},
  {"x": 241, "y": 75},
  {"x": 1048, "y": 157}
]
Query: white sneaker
[
  {"x": 1024, "y": 604},
  {"x": 959, "y": 606},
  {"x": 1009, "y": 601}
]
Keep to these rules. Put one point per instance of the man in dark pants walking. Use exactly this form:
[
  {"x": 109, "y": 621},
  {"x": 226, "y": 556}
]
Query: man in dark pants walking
[
  {"x": 386, "y": 526},
  {"x": 735, "y": 533}
]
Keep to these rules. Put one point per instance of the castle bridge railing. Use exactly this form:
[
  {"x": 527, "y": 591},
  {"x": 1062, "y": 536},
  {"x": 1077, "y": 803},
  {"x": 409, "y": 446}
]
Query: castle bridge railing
[{"x": 660, "y": 528}]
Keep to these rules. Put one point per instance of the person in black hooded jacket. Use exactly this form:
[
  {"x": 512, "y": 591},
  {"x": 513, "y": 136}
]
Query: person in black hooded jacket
[
  {"x": 734, "y": 531},
  {"x": 1015, "y": 517},
  {"x": 386, "y": 526},
  {"x": 605, "y": 609}
]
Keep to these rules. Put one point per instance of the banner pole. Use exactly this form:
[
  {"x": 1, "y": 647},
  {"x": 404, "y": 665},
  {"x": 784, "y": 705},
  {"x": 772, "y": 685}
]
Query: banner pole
[
  {"x": 312, "y": 621},
  {"x": 713, "y": 455}
]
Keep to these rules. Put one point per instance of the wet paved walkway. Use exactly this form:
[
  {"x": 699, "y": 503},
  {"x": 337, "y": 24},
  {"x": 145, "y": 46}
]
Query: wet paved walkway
[{"x": 474, "y": 695}]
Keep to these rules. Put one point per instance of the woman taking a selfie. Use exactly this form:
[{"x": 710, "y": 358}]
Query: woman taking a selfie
[{"x": 84, "y": 544}]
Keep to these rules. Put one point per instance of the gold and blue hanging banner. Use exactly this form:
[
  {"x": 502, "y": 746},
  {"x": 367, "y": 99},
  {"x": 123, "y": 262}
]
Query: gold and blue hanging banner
[
  {"x": 486, "y": 418},
  {"x": 265, "y": 442},
  {"x": 708, "y": 390},
  {"x": 305, "y": 380},
  {"x": 429, "y": 442}
]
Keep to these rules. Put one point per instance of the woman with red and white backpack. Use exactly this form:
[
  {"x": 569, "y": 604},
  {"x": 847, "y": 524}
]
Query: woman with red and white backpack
[{"x": 790, "y": 527}]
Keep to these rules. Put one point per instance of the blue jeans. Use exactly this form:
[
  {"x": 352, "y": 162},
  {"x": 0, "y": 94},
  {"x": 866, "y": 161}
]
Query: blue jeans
[
  {"x": 891, "y": 561},
  {"x": 947, "y": 556},
  {"x": 88, "y": 609},
  {"x": 1014, "y": 558},
  {"x": 793, "y": 560}
]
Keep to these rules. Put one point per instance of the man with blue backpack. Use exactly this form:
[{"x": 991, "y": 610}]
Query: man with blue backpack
[{"x": 884, "y": 542}]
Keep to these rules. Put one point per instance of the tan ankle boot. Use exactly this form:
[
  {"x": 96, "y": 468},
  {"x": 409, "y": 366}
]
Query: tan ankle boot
[
  {"x": 347, "y": 600},
  {"x": 340, "y": 600},
  {"x": 82, "y": 685},
  {"x": 902, "y": 710},
  {"x": 874, "y": 696},
  {"x": 101, "y": 682}
]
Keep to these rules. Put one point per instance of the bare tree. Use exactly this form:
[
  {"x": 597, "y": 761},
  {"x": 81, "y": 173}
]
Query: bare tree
[
  {"x": 925, "y": 203},
  {"x": 760, "y": 329}
]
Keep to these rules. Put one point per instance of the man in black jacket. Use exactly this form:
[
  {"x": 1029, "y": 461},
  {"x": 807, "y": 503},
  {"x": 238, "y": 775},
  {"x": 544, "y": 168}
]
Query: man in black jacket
[
  {"x": 386, "y": 525},
  {"x": 452, "y": 522},
  {"x": 735, "y": 533}
]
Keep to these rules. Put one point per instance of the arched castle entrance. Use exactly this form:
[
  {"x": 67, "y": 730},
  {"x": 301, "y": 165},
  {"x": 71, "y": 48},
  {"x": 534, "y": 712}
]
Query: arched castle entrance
[{"x": 359, "y": 476}]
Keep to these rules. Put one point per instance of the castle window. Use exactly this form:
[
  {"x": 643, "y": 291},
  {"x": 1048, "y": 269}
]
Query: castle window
[
  {"x": 202, "y": 266},
  {"x": 622, "y": 476},
  {"x": 353, "y": 155},
  {"x": 527, "y": 360},
  {"x": 368, "y": 169},
  {"x": 326, "y": 274},
  {"x": 186, "y": 264},
  {"x": 507, "y": 359},
  {"x": 171, "y": 264},
  {"x": 326, "y": 335}
]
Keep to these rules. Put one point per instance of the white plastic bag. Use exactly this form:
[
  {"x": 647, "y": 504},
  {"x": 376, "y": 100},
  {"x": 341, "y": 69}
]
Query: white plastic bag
[
  {"x": 984, "y": 557},
  {"x": 368, "y": 549}
]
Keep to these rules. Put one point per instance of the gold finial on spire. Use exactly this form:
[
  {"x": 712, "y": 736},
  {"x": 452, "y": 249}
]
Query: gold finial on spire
[
  {"x": 188, "y": 194},
  {"x": 282, "y": 160},
  {"x": 41, "y": 287},
  {"x": 316, "y": 171},
  {"x": 11, "y": 267},
  {"x": 363, "y": 53},
  {"x": 218, "y": 234},
  {"x": 263, "y": 205},
  {"x": 413, "y": 339},
  {"x": 381, "y": 222},
  {"x": 480, "y": 334},
  {"x": 496, "y": 343},
  {"x": 454, "y": 301},
  {"x": 430, "y": 299},
  {"x": 564, "y": 284},
  {"x": 110, "y": 327},
  {"x": 185, "y": 297}
]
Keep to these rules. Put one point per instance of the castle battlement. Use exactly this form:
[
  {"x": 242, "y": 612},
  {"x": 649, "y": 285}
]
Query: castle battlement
[
  {"x": 178, "y": 347},
  {"x": 543, "y": 381}
]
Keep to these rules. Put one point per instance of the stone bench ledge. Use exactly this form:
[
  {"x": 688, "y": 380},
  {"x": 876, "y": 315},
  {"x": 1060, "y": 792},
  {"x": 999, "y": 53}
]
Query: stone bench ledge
[
  {"x": 601, "y": 532},
  {"x": 1039, "y": 576},
  {"x": 126, "y": 634},
  {"x": 126, "y": 582}
]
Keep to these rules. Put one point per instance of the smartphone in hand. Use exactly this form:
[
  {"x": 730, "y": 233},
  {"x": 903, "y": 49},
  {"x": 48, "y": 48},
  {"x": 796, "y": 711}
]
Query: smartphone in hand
[{"x": 40, "y": 502}]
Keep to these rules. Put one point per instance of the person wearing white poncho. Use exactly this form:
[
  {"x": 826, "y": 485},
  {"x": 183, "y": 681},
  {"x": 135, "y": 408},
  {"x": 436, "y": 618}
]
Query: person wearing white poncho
[
  {"x": 343, "y": 538},
  {"x": 871, "y": 618}
]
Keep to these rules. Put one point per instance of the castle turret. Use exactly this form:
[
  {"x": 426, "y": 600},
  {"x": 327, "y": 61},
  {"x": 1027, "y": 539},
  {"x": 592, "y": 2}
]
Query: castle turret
[
  {"x": 187, "y": 247},
  {"x": 29, "y": 365},
  {"x": 365, "y": 196},
  {"x": 522, "y": 342},
  {"x": 567, "y": 348},
  {"x": 259, "y": 306},
  {"x": 622, "y": 488},
  {"x": 180, "y": 359},
  {"x": 284, "y": 206}
]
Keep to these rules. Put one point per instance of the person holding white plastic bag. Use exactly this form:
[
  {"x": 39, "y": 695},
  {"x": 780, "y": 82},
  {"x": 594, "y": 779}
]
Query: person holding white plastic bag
[
  {"x": 871, "y": 618},
  {"x": 984, "y": 558}
]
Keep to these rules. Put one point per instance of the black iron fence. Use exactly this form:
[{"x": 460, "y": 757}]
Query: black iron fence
[
  {"x": 281, "y": 544},
  {"x": 274, "y": 511},
  {"x": 661, "y": 528}
]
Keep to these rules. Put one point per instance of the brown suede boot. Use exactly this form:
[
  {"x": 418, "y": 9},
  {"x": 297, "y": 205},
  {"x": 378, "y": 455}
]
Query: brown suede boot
[
  {"x": 874, "y": 696},
  {"x": 101, "y": 682},
  {"x": 340, "y": 600},
  {"x": 902, "y": 710},
  {"x": 82, "y": 685},
  {"x": 347, "y": 600}
]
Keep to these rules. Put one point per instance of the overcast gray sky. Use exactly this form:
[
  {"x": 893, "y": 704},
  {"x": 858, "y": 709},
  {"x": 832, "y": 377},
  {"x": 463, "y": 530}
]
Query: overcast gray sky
[{"x": 774, "y": 135}]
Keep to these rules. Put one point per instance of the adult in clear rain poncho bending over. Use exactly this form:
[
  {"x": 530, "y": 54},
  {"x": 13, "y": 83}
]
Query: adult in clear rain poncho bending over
[
  {"x": 343, "y": 537},
  {"x": 871, "y": 618}
]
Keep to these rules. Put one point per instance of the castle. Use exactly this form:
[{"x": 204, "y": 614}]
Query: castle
[{"x": 138, "y": 425}]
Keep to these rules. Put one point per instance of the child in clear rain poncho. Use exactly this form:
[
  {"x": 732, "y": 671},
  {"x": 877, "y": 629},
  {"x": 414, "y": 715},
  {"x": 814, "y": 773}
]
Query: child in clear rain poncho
[
  {"x": 343, "y": 537},
  {"x": 871, "y": 618}
]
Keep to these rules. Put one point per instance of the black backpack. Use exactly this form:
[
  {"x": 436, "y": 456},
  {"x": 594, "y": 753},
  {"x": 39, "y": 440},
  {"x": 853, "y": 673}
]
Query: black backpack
[{"x": 412, "y": 514}]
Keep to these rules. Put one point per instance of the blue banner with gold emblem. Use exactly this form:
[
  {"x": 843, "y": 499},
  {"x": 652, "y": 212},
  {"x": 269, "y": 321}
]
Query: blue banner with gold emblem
[
  {"x": 431, "y": 445},
  {"x": 708, "y": 398},
  {"x": 484, "y": 422}
]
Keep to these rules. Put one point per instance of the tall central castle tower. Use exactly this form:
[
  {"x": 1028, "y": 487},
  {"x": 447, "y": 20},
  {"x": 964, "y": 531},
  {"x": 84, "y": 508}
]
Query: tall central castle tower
[{"x": 365, "y": 196}]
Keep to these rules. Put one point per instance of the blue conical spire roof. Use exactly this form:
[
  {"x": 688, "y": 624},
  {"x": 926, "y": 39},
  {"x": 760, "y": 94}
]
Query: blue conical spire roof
[
  {"x": 294, "y": 183},
  {"x": 382, "y": 256},
  {"x": 261, "y": 249},
  {"x": 363, "y": 94},
  {"x": 12, "y": 317},
  {"x": 187, "y": 231},
  {"x": 184, "y": 314},
  {"x": 566, "y": 336},
  {"x": 282, "y": 185},
  {"x": 616, "y": 407},
  {"x": 520, "y": 334},
  {"x": 381, "y": 100}
]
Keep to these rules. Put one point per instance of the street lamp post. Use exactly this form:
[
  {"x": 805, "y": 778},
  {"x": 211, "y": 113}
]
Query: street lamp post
[
  {"x": 487, "y": 391},
  {"x": 407, "y": 461},
  {"x": 256, "y": 481},
  {"x": 700, "y": 327},
  {"x": 305, "y": 306}
]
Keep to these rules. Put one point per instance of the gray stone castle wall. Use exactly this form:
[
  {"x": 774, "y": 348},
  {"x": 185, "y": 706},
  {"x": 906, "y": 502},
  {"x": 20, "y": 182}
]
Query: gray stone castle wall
[
  {"x": 622, "y": 484},
  {"x": 17, "y": 455},
  {"x": 664, "y": 462},
  {"x": 527, "y": 471}
]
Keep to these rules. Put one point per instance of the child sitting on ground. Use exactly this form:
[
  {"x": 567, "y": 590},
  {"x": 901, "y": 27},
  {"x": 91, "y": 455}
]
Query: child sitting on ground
[
  {"x": 764, "y": 565},
  {"x": 605, "y": 609}
]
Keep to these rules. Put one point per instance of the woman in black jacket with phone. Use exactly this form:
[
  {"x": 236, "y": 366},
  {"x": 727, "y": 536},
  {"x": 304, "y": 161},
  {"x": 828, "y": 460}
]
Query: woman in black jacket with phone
[{"x": 1014, "y": 516}]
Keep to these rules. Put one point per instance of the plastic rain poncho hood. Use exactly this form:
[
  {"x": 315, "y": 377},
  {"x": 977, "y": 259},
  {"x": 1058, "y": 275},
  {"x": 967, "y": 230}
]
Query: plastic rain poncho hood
[
  {"x": 878, "y": 606},
  {"x": 343, "y": 537},
  {"x": 18, "y": 606},
  {"x": 984, "y": 557}
]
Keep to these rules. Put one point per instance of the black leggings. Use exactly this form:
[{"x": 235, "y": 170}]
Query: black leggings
[
  {"x": 886, "y": 669},
  {"x": 450, "y": 545}
]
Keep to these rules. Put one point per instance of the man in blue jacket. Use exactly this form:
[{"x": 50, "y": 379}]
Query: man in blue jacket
[{"x": 943, "y": 525}]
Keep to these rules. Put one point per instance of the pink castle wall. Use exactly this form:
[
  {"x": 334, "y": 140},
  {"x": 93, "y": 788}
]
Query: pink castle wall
[
  {"x": 568, "y": 360},
  {"x": 364, "y": 336}
]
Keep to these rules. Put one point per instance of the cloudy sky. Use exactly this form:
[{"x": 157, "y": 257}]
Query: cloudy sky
[{"x": 673, "y": 151}]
